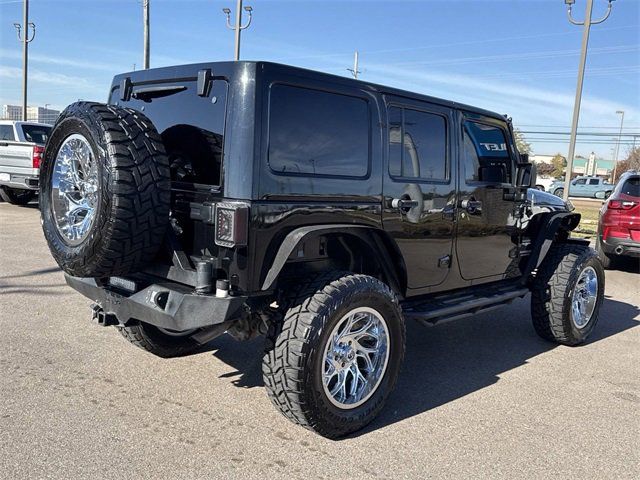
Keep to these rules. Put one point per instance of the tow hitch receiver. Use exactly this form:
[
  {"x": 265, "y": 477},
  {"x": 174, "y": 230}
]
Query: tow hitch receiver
[{"x": 99, "y": 316}]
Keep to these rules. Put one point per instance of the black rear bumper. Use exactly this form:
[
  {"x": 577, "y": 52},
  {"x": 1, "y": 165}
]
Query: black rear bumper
[
  {"x": 167, "y": 305},
  {"x": 621, "y": 246}
]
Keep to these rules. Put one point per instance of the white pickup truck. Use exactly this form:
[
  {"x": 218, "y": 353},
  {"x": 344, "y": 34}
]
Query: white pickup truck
[{"x": 21, "y": 149}]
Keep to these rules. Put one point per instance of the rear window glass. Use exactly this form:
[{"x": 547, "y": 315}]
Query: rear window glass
[
  {"x": 6, "y": 133},
  {"x": 312, "y": 132},
  {"x": 631, "y": 187},
  {"x": 36, "y": 133}
]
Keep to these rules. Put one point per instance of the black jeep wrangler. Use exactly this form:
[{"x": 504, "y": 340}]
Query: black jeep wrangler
[{"x": 319, "y": 211}]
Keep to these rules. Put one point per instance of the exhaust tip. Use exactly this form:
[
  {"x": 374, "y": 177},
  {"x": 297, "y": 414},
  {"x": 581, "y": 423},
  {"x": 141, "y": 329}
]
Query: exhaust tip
[{"x": 619, "y": 250}]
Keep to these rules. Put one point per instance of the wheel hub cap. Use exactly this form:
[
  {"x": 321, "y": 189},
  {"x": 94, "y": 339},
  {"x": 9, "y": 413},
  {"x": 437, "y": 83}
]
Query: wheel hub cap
[
  {"x": 356, "y": 357},
  {"x": 74, "y": 189},
  {"x": 585, "y": 296}
]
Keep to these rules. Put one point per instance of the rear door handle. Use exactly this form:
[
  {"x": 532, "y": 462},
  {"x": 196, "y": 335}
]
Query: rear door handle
[
  {"x": 404, "y": 204},
  {"x": 472, "y": 206}
]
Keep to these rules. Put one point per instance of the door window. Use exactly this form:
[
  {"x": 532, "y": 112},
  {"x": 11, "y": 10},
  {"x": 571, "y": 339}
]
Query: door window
[
  {"x": 594, "y": 181},
  {"x": 6, "y": 133},
  {"x": 580, "y": 181},
  {"x": 417, "y": 144},
  {"x": 486, "y": 154}
]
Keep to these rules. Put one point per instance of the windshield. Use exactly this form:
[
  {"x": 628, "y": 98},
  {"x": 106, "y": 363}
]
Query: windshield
[{"x": 36, "y": 133}]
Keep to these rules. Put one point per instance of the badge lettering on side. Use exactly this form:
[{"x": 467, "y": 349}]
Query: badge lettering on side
[{"x": 495, "y": 147}]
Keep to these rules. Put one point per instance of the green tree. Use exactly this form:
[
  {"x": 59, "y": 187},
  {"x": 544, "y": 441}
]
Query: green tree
[
  {"x": 521, "y": 143},
  {"x": 559, "y": 163}
]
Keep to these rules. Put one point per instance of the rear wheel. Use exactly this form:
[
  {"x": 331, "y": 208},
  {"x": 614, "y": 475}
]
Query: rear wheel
[
  {"x": 161, "y": 342},
  {"x": 17, "y": 196},
  {"x": 607, "y": 261},
  {"x": 567, "y": 294},
  {"x": 334, "y": 359}
]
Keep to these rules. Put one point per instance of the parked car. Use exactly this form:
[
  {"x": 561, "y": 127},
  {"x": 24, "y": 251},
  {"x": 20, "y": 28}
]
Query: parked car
[
  {"x": 21, "y": 149},
  {"x": 320, "y": 211},
  {"x": 544, "y": 183},
  {"x": 619, "y": 223},
  {"x": 583, "y": 187}
]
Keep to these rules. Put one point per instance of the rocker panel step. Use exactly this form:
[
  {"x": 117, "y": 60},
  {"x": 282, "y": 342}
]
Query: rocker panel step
[{"x": 464, "y": 303}]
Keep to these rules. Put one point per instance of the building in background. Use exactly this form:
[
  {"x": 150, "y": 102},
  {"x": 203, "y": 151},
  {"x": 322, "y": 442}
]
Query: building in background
[{"x": 34, "y": 114}]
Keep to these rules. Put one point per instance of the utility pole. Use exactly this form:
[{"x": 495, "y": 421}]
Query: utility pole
[
  {"x": 615, "y": 158},
  {"x": 146, "y": 46},
  {"x": 238, "y": 27},
  {"x": 23, "y": 36},
  {"x": 587, "y": 22},
  {"x": 354, "y": 71}
]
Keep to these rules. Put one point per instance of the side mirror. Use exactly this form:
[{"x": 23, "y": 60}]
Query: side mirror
[
  {"x": 601, "y": 195},
  {"x": 524, "y": 158},
  {"x": 526, "y": 175}
]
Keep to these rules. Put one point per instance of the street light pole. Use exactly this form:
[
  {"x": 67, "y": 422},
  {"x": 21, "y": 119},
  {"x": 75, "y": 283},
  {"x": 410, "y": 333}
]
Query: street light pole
[
  {"x": 355, "y": 70},
  {"x": 615, "y": 158},
  {"x": 587, "y": 22},
  {"x": 238, "y": 27},
  {"x": 23, "y": 36},
  {"x": 146, "y": 45}
]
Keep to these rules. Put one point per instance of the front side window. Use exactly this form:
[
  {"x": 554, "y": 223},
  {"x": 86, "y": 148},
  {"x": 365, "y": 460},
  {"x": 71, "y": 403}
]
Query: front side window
[
  {"x": 580, "y": 181},
  {"x": 417, "y": 144},
  {"x": 6, "y": 133},
  {"x": 486, "y": 153},
  {"x": 312, "y": 132}
]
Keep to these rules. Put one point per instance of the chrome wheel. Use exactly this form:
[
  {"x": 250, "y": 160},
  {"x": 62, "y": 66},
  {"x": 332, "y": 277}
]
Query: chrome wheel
[
  {"x": 74, "y": 189},
  {"x": 585, "y": 296},
  {"x": 356, "y": 357}
]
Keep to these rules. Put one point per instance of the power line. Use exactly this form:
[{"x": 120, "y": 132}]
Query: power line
[{"x": 588, "y": 134}]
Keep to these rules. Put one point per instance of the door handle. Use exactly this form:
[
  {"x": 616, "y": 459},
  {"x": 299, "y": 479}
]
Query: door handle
[
  {"x": 472, "y": 206},
  {"x": 4, "y": 144},
  {"x": 404, "y": 204}
]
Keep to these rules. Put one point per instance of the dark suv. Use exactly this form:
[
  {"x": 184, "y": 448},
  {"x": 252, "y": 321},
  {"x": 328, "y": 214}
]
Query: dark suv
[{"x": 319, "y": 211}]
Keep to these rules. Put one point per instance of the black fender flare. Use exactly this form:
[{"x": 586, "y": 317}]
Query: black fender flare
[
  {"x": 392, "y": 262},
  {"x": 547, "y": 231}
]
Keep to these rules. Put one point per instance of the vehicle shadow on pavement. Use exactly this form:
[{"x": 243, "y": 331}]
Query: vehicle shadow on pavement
[
  {"x": 445, "y": 362},
  {"x": 448, "y": 362}
]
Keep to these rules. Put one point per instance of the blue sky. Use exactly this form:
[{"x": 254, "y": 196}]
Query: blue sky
[{"x": 512, "y": 56}]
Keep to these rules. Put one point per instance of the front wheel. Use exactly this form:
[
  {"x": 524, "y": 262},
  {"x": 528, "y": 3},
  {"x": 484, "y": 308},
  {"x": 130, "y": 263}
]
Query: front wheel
[
  {"x": 558, "y": 192},
  {"x": 333, "y": 360},
  {"x": 567, "y": 294},
  {"x": 16, "y": 196}
]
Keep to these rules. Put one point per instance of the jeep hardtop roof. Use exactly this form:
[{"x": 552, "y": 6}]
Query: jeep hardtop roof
[{"x": 178, "y": 72}]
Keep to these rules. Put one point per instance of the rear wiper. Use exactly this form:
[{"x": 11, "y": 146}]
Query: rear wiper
[{"x": 146, "y": 94}]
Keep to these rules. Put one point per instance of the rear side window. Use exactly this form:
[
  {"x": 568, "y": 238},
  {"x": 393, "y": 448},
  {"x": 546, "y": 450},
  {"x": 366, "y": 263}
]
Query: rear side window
[
  {"x": 594, "y": 181},
  {"x": 417, "y": 144},
  {"x": 313, "y": 132},
  {"x": 486, "y": 153},
  {"x": 6, "y": 133},
  {"x": 631, "y": 187},
  {"x": 36, "y": 133}
]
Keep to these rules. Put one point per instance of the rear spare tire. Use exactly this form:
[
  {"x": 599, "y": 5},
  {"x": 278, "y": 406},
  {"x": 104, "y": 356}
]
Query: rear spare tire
[{"x": 105, "y": 190}]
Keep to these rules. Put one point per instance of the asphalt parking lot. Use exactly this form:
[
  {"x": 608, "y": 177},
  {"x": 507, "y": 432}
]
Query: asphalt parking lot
[{"x": 483, "y": 397}]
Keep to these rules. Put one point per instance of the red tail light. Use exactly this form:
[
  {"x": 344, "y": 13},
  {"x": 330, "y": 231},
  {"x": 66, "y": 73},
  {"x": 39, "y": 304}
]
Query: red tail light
[
  {"x": 37, "y": 156},
  {"x": 621, "y": 205}
]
